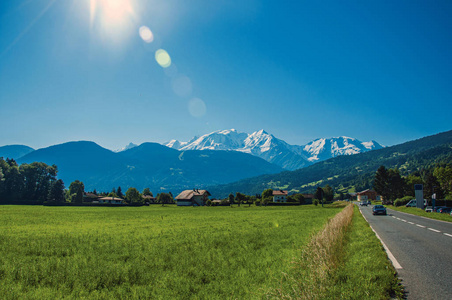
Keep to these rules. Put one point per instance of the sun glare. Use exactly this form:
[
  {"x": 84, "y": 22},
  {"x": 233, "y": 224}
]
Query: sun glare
[{"x": 112, "y": 12}]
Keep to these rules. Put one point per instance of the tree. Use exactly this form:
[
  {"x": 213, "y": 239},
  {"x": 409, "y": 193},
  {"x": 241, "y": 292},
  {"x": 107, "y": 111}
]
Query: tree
[
  {"x": 319, "y": 195},
  {"x": 76, "y": 190},
  {"x": 133, "y": 196},
  {"x": 381, "y": 183},
  {"x": 239, "y": 197},
  {"x": 231, "y": 199},
  {"x": 119, "y": 192},
  {"x": 444, "y": 177},
  {"x": 396, "y": 184},
  {"x": 299, "y": 198},
  {"x": 147, "y": 192},
  {"x": 164, "y": 198},
  {"x": 328, "y": 193},
  {"x": 56, "y": 192}
]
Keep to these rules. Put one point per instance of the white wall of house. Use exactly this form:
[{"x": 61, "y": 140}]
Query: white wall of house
[{"x": 279, "y": 198}]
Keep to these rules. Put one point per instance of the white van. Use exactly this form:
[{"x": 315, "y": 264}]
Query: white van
[{"x": 412, "y": 203}]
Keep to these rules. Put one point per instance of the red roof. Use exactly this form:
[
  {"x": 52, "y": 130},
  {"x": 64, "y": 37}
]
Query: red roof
[{"x": 280, "y": 193}]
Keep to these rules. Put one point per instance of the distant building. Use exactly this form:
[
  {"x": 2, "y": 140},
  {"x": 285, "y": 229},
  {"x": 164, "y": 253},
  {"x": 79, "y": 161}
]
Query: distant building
[
  {"x": 90, "y": 197},
  {"x": 193, "y": 197},
  {"x": 280, "y": 196},
  {"x": 148, "y": 199},
  {"x": 111, "y": 200},
  {"x": 308, "y": 198},
  {"x": 368, "y": 195}
]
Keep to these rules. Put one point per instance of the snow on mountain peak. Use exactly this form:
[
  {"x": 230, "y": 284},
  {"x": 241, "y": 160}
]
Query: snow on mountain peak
[
  {"x": 129, "y": 146},
  {"x": 262, "y": 144}
]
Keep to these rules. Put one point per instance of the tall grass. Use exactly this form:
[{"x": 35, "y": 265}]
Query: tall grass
[
  {"x": 150, "y": 252},
  {"x": 311, "y": 272},
  {"x": 345, "y": 260}
]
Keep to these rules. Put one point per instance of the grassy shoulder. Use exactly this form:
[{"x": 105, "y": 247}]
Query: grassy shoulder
[
  {"x": 366, "y": 272},
  {"x": 422, "y": 213}
]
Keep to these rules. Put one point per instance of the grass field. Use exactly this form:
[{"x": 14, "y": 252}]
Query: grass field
[{"x": 150, "y": 252}]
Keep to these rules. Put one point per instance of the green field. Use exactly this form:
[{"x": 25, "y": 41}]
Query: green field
[{"x": 150, "y": 252}]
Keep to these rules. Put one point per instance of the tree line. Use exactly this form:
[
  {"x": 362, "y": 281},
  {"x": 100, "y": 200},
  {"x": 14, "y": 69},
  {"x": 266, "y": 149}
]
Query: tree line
[
  {"x": 37, "y": 183},
  {"x": 391, "y": 185}
]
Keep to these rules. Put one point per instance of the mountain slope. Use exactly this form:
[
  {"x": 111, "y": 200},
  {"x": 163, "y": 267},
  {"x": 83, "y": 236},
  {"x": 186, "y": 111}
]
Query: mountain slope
[
  {"x": 345, "y": 170},
  {"x": 148, "y": 165},
  {"x": 14, "y": 151},
  {"x": 274, "y": 150}
]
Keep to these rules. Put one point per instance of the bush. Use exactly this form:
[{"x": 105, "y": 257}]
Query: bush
[
  {"x": 315, "y": 202},
  {"x": 402, "y": 201},
  {"x": 257, "y": 202},
  {"x": 209, "y": 202}
]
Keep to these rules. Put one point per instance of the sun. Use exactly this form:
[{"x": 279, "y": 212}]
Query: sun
[{"x": 112, "y": 12}]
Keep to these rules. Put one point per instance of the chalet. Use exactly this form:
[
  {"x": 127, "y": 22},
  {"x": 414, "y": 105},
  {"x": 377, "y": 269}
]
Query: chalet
[
  {"x": 193, "y": 197},
  {"x": 111, "y": 200},
  {"x": 280, "y": 196},
  {"x": 368, "y": 195},
  {"x": 308, "y": 198},
  {"x": 148, "y": 199}
]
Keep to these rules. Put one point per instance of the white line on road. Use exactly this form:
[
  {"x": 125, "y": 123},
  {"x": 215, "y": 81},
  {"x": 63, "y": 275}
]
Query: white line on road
[
  {"x": 420, "y": 225},
  {"x": 403, "y": 220},
  {"x": 411, "y": 223},
  {"x": 433, "y": 229},
  {"x": 391, "y": 257},
  {"x": 447, "y": 234}
]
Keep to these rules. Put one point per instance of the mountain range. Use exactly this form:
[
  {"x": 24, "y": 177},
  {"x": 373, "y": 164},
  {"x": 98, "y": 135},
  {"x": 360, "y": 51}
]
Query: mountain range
[
  {"x": 274, "y": 150},
  {"x": 349, "y": 173},
  {"x": 148, "y": 165}
]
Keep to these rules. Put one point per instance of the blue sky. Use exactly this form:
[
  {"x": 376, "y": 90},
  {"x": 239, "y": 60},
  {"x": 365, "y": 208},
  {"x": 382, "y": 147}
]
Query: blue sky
[{"x": 301, "y": 70}]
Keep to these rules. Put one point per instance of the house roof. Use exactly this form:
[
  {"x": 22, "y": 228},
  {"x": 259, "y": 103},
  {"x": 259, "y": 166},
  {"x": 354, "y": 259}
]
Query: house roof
[
  {"x": 366, "y": 191},
  {"x": 148, "y": 197},
  {"x": 280, "y": 193},
  {"x": 188, "y": 194},
  {"x": 308, "y": 195},
  {"x": 111, "y": 198}
]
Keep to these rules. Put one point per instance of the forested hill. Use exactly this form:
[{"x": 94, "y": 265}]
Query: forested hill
[{"x": 347, "y": 173}]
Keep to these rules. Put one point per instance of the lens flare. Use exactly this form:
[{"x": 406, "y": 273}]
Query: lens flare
[
  {"x": 146, "y": 34},
  {"x": 182, "y": 85},
  {"x": 197, "y": 107},
  {"x": 163, "y": 59}
]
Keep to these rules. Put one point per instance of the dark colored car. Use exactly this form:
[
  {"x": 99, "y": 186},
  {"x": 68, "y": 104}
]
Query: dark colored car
[
  {"x": 379, "y": 210},
  {"x": 437, "y": 208},
  {"x": 445, "y": 210}
]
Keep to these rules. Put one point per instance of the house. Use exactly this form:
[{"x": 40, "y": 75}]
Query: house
[
  {"x": 308, "y": 198},
  {"x": 90, "y": 197},
  {"x": 368, "y": 195},
  {"x": 148, "y": 199},
  {"x": 111, "y": 200},
  {"x": 193, "y": 197},
  {"x": 280, "y": 196}
]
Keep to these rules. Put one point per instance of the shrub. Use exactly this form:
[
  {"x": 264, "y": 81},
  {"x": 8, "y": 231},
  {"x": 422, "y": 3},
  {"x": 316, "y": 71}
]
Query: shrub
[
  {"x": 315, "y": 202},
  {"x": 209, "y": 202},
  {"x": 402, "y": 201}
]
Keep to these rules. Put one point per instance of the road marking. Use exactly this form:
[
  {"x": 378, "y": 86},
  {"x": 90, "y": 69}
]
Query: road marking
[
  {"x": 391, "y": 257},
  {"x": 433, "y": 229},
  {"x": 447, "y": 234},
  {"x": 411, "y": 223},
  {"x": 420, "y": 225},
  {"x": 403, "y": 220}
]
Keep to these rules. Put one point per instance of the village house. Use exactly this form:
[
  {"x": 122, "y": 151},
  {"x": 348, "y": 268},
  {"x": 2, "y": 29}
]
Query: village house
[
  {"x": 148, "y": 199},
  {"x": 193, "y": 197},
  {"x": 111, "y": 200},
  {"x": 308, "y": 198},
  {"x": 368, "y": 195},
  {"x": 280, "y": 196}
]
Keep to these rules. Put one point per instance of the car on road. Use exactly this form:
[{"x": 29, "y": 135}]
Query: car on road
[
  {"x": 369, "y": 202},
  {"x": 363, "y": 203},
  {"x": 379, "y": 210}
]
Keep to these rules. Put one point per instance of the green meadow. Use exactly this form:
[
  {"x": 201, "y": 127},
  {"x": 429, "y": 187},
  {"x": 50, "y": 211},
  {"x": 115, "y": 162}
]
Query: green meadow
[{"x": 151, "y": 252}]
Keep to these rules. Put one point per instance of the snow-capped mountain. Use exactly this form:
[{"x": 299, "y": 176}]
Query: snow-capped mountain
[
  {"x": 274, "y": 150},
  {"x": 129, "y": 146}
]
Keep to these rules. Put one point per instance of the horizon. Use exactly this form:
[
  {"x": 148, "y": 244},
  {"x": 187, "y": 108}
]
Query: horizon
[{"x": 139, "y": 71}]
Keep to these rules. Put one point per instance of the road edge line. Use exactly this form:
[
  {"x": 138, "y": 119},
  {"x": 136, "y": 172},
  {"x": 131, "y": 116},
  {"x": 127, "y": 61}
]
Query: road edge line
[
  {"x": 391, "y": 257},
  {"x": 420, "y": 216}
]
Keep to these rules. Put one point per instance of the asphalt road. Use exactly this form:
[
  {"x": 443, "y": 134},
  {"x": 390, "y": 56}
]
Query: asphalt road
[{"x": 422, "y": 248}]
